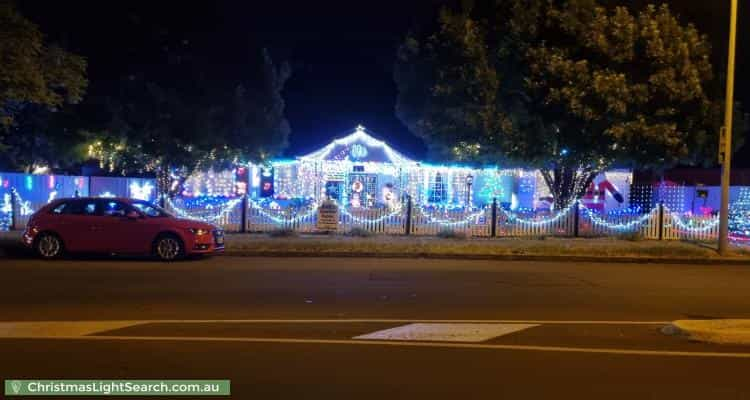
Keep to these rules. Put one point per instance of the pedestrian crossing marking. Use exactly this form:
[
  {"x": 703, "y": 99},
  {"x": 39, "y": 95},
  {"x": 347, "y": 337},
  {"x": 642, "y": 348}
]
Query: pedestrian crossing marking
[{"x": 445, "y": 332}]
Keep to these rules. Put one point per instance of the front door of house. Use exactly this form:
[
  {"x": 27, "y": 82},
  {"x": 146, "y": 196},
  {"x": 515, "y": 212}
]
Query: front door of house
[{"x": 362, "y": 190}]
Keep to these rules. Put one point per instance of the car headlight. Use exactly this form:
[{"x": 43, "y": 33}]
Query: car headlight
[{"x": 198, "y": 232}]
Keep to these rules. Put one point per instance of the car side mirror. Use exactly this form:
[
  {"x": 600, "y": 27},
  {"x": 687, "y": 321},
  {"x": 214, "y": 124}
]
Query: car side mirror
[{"x": 132, "y": 214}]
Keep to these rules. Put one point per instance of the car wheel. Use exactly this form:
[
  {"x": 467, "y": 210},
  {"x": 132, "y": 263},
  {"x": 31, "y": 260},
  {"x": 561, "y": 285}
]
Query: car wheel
[
  {"x": 49, "y": 246},
  {"x": 169, "y": 248}
]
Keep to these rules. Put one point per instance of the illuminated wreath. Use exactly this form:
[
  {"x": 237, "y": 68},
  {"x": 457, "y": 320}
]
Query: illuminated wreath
[
  {"x": 358, "y": 151},
  {"x": 357, "y": 186}
]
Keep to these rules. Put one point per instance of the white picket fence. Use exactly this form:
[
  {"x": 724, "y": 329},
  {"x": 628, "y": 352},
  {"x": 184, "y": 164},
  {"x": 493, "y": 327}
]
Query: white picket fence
[
  {"x": 227, "y": 216},
  {"x": 468, "y": 222},
  {"x": 549, "y": 224},
  {"x": 657, "y": 224},
  {"x": 378, "y": 221},
  {"x": 695, "y": 228},
  {"x": 478, "y": 223}
]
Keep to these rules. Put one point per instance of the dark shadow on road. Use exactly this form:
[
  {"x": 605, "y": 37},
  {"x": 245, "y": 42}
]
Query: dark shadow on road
[{"x": 13, "y": 249}]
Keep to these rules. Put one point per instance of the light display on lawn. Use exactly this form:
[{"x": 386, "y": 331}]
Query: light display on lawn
[
  {"x": 6, "y": 210},
  {"x": 210, "y": 183},
  {"x": 359, "y": 171},
  {"x": 496, "y": 187},
  {"x": 141, "y": 191},
  {"x": 739, "y": 214}
]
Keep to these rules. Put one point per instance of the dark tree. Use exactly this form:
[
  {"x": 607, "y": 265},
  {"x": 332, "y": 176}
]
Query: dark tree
[
  {"x": 172, "y": 128},
  {"x": 570, "y": 87},
  {"x": 36, "y": 79}
]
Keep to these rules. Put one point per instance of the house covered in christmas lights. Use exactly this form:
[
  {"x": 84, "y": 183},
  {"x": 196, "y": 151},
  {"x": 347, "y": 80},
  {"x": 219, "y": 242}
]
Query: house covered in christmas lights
[{"x": 359, "y": 170}]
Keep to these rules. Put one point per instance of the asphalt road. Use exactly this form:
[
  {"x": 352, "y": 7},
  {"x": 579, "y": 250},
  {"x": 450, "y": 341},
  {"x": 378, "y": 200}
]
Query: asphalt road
[{"x": 285, "y": 328}]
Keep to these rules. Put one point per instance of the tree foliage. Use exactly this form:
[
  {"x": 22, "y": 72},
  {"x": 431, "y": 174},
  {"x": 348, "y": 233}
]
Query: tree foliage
[
  {"x": 571, "y": 87},
  {"x": 173, "y": 129},
  {"x": 36, "y": 79}
]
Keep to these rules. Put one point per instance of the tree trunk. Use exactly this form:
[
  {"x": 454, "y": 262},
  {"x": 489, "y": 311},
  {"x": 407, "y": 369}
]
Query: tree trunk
[
  {"x": 567, "y": 184},
  {"x": 167, "y": 185},
  {"x": 163, "y": 184}
]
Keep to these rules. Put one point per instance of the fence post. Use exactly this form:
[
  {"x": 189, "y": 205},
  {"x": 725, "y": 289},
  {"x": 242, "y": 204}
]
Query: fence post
[
  {"x": 576, "y": 218},
  {"x": 243, "y": 215},
  {"x": 493, "y": 229},
  {"x": 661, "y": 220},
  {"x": 12, "y": 209},
  {"x": 408, "y": 215}
]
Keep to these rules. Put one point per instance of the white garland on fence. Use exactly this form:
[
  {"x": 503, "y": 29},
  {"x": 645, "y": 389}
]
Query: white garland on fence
[
  {"x": 225, "y": 209},
  {"x": 281, "y": 220},
  {"x": 539, "y": 222},
  {"x": 711, "y": 224},
  {"x": 449, "y": 222},
  {"x": 619, "y": 226},
  {"x": 377, "y": 220}
]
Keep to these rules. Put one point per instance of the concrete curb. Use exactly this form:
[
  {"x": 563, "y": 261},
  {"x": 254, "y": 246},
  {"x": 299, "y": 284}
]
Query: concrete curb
[
  {"x": 719, "y": 331},
  {"x": 492, "y": 257}
]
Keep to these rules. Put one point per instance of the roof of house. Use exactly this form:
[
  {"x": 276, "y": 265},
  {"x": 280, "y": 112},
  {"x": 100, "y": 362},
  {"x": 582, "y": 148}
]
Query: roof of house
[{"x": 359, "y": 146}]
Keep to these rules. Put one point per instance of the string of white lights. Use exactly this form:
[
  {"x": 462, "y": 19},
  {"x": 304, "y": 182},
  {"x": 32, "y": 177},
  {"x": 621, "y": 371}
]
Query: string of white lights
[
  {"x": 450, "y": 222},
  {"x": 617, "y": 226},
  {"x": 362, "y": 220},
  {"x": 225, "y": 209},
  {"x": 540, "y": 222},
  {"x": 705, "y": 226},
  {"x": 282, "y": 220}
]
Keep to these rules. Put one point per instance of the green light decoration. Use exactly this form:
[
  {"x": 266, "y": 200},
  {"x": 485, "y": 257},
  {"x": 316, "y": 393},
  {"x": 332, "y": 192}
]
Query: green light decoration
[{"x": 495, "y": 186}]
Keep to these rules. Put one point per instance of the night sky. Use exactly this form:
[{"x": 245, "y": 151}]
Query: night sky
[{"x": 342, "y": 53}]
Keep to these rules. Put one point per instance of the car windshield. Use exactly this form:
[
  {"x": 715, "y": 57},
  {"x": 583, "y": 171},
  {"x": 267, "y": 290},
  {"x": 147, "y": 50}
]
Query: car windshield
[{"x": 150, "y": 210}]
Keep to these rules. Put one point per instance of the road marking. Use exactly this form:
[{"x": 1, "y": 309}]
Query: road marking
[
  {"x": 364, "y": 320},
  {"x": 467, "y": 333},
  {"x": 559, "y": 349},
  {"x": 59, "y": 328}
]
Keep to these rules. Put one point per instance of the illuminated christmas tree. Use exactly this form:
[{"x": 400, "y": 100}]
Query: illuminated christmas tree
[{"x": 494, "y": 188}]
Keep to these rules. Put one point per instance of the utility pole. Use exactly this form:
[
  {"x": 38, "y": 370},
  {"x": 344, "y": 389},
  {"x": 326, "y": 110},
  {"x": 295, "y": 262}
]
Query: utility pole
[{"x": 725, "y": 144}]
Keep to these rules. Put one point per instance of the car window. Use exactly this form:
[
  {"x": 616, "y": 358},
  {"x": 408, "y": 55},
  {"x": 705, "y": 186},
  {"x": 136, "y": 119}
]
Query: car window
[
  {"x": 62, "y": 208},
  {"x": 76, "y": 207},
  {"x": 89, "y": 208},
  {"x": 149, "y": 209},
  {"x": 114, "y": 208}
]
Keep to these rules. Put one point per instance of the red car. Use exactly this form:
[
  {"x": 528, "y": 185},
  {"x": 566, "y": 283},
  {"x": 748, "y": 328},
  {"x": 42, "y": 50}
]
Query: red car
[{"x": 119, "y": 226}]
